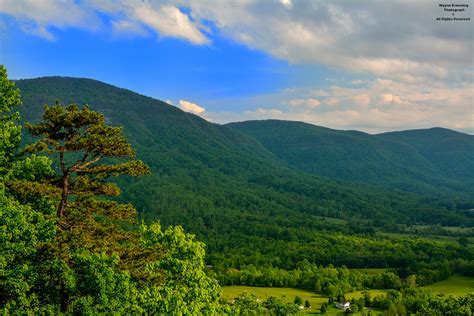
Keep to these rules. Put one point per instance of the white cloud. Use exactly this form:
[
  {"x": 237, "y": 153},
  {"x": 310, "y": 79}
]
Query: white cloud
[
  {"x": 167, "y": 20},
  {"x": 36, "y": 16},
  {"x": 126, "y": 27},
  {"x": 361, "y": 100},
  {"x": 265, "y": 112},
  {"x": 359, "y": 36},
  {"x": 128, "y": 16},
  {"x": 287, "y": 3},
  {"x": 387, "y": 98},
  {"x": 379, "y": 105},
  {"x": 422, "y": 68},
  {"x": 191, "y": 107},
  {"x": 319, "y": 92},
  {"x": 38, "y": 30},
  {"x": 310, "y": 103}
]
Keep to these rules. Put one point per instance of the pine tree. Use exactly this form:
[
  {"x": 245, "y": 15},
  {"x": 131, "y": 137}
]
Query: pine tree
[
  {"x": 88, "y": 153},
  {"x": 157, "y": 272}
]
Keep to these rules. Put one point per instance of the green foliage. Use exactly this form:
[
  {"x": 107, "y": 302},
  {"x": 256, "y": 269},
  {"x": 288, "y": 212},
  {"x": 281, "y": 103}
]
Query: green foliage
[
  {"x": 247, "y": 304},
  {"x": 336, "y": 282},
  {"x": 415, "y": 301},
  {"x": 96, "y": 265},
  {"x": 186, "y": 287},
  {"x": 10, "y": 133},
  {"x": 80, "y": 140},
  {"x": 237, "y": 195},
  {"x": 276, "y": 306},
  {"x": 432, "y": 162},
  {"x": 249, "y": 207},
  {"x": 324, "y": 308},
  {"x": 22, "y": 231}
]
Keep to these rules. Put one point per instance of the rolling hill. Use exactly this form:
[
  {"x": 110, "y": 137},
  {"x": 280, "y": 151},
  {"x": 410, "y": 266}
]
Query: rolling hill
[
  {"x": 234, "y": 192},
  {"x": 433, "y": 162}
]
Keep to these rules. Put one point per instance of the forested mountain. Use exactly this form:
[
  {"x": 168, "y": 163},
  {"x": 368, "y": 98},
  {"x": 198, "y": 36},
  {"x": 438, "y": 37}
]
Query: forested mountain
[
  {"x": 432, "y": 161},
  {"x": 245, "y": 201}
]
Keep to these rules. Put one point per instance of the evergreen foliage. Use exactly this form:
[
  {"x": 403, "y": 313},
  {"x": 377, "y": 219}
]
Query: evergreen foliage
[
  {"x": 70, "y": 244},
  {"x": 66, "y": 250},
  {"x": 232, "y": 192},
  {"x": 431, "y": 162}
]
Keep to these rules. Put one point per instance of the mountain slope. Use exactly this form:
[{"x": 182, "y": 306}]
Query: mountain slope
[
  {"x": 451, "y": 152},
  {"x": 228, "y": 189},
  {"x": 433, "y": 162}
]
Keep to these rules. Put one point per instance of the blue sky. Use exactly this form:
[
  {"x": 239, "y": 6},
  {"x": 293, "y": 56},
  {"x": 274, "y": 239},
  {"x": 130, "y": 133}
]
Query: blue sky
[
  {"x": 165, "y": 68},
  {"x": 330, "y": 63}
]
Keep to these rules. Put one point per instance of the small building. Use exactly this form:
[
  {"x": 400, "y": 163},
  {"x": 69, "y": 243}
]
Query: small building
[{"x": 343, "y": 305}]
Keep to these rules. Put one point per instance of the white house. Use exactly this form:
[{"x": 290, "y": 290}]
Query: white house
[{"x": 343, "y": 305}]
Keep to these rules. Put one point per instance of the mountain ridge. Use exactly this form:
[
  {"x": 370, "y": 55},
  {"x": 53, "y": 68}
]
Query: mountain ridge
[
  {"x": 227, "y": 187},
  {"x": 236, "y": 122},
  {"x": 392, "y": 159}
]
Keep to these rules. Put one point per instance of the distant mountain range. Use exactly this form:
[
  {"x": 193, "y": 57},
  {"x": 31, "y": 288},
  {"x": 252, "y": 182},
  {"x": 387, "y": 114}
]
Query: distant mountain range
[
  {"x": 435, "y": 161},
  {"x": 262, "y": 178}
]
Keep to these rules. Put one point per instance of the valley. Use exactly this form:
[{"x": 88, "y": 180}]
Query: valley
[
  {"x": 289, "y": 205},
  {"x": 243, "y": 157}
]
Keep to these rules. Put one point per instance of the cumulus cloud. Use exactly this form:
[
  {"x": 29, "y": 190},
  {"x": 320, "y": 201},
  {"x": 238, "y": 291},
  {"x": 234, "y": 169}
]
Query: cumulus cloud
[
  {"x": 265, "y": 112},
  {"x": 36, "y": 16},
  {"x": 191, "y": 107},
  {"x": 168, "y": 20},
  {"x": 416, "y": 72},
  {"x": 361, "y": 100},
  {"x": 38, "y": 30},
  {"x": 377, "y": 106},
  {"x": 310, "y": 103},
  {"x": 387, "y": 98},
  {"x": 127, "y": 16},
  {"x": 126, "y": 27},
  {"x": 360, "y": 36},
  {"x": 287, "y": 3}
]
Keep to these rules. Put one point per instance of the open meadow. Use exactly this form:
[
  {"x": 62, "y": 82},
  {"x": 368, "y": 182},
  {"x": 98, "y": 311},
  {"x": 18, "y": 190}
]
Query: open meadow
[
  {"x": 455, "y": 285},
  {"x": 288, "y": 295}
]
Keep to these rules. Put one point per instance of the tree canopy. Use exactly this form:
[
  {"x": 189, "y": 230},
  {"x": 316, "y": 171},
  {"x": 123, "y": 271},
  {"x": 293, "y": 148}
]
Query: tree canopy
[{"x": 65, "y": 247}]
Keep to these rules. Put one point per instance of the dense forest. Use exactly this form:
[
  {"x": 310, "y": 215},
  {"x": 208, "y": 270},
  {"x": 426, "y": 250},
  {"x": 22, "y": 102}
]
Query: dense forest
[
  {"x": 434, "y": 161},
  {"x": 64, "y": 247},
  {"x": 243, "y": 200},
  {"x": 74, "y": 242}
]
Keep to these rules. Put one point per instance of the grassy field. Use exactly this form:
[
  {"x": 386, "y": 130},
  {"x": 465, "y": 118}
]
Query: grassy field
[
  {"x": 359, "y": 294},
  {"x": 288, "y": 295},
  {"x": 371, "y": 271},
  {"x": 456, "y": 285}
]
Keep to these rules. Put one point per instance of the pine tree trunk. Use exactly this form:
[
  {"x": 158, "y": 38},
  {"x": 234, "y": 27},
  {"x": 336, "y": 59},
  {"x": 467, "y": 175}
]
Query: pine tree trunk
[{"x": 63, "y": 203}]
